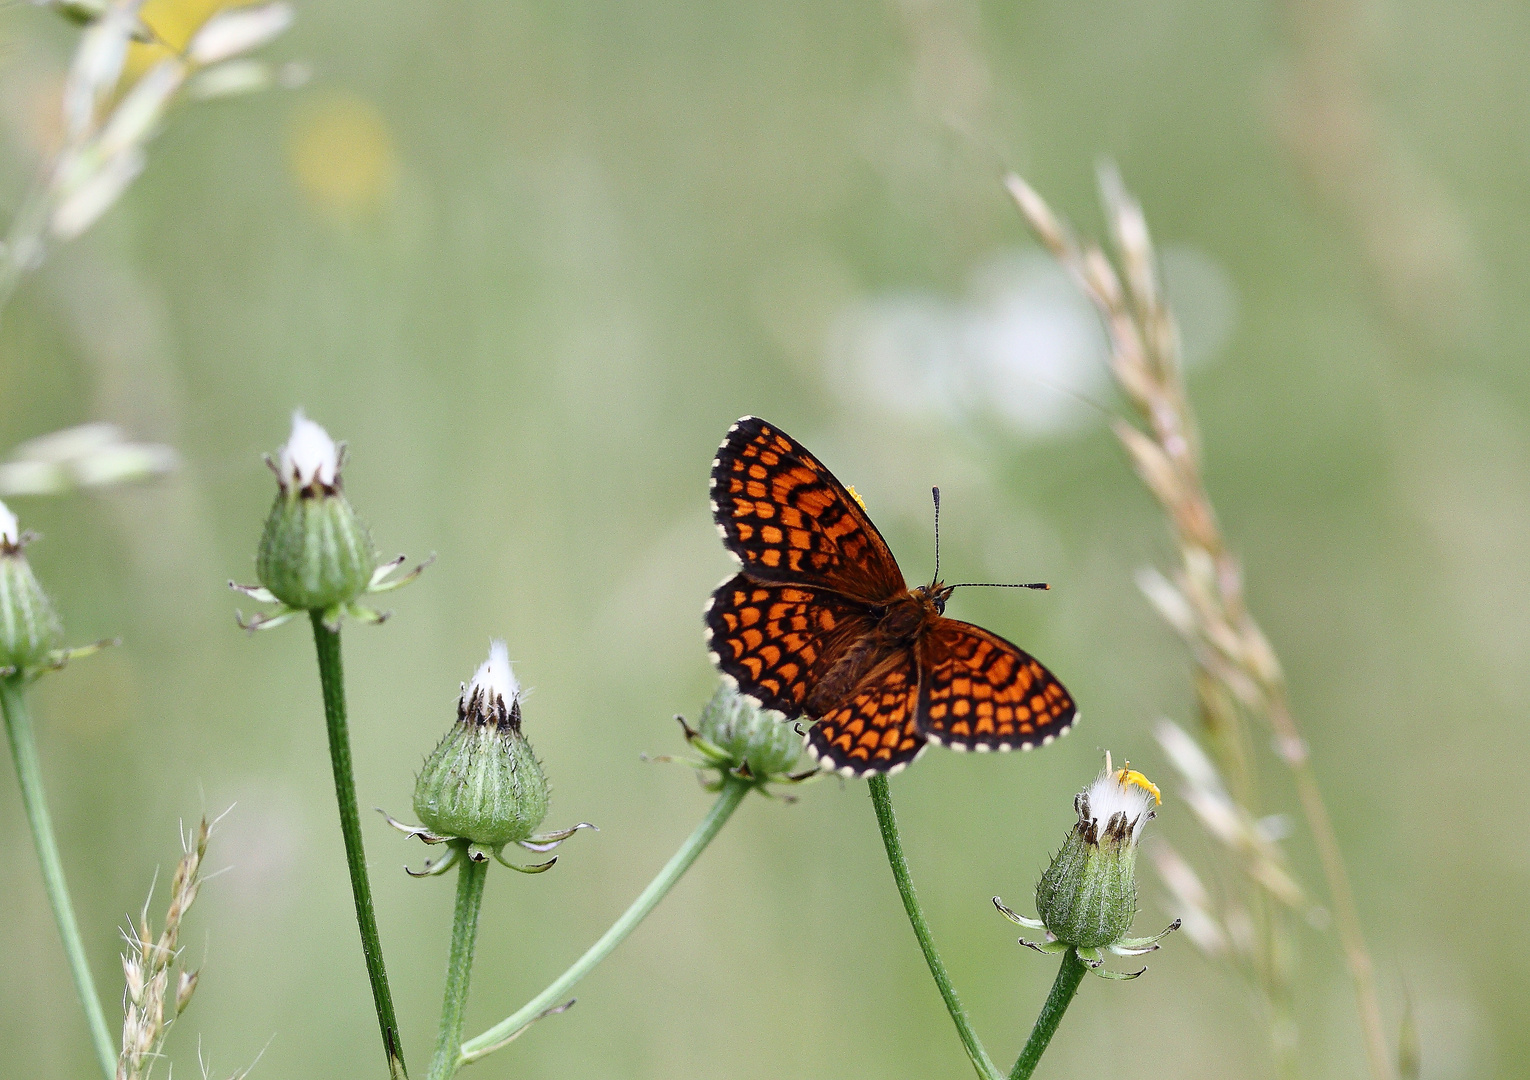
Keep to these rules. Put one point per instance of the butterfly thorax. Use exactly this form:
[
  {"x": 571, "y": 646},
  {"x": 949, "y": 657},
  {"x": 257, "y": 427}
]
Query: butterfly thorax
[{"x": 896, "y": 627}]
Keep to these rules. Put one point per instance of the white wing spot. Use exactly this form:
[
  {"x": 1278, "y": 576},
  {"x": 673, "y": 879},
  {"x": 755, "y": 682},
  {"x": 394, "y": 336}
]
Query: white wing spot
[
  {"x": 982, "y": 748},
  {"x": 1047, "y": 741}
]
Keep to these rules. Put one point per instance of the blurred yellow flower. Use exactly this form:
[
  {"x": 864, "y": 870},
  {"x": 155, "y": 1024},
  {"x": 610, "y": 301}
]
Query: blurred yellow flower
[
  {"x": 342, "y": 155},
  {"x": 173, "y": 22}
]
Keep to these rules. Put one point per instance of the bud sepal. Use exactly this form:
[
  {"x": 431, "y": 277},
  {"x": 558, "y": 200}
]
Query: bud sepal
[
  {"x": 315, "y": 554},
  {"x": 483, "y": 789}
]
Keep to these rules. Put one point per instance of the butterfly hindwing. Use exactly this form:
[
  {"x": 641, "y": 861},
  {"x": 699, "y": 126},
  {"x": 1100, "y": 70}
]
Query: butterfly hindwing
[
  {"x": 786, "y": 518},
  {"x": 875, "y": 730},
  {"x": 776, "y": 641},
  {"x": 980, "y": 692}
]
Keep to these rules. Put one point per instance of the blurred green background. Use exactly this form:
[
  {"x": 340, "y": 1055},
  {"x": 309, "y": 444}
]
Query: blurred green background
[{"x": 531, "y": 261}]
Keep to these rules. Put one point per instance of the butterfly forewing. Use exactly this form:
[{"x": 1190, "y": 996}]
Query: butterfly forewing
[
  {"x": 980, "y": 692},
  {"x": 875, "y": 731},
  {"x": 777, "y": 641},
  {"x": 786, "y": 518}
]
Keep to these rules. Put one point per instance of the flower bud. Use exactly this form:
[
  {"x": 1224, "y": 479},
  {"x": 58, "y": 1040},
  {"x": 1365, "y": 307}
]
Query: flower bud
[
  {"x": 483, "y": 783},
  {"x": 1088, "y": 896},
  {"x": 315, "y": 554},
  {"x": 743, "y": 739},
  {"x": 29, "y": 626}
]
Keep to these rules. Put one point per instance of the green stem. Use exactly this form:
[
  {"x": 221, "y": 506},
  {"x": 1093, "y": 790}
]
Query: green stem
[
  {"x": 881, "y": 799},
  {"x": 18, "y": 728},
  {"x": 1063, "y": 988},
  {"x": 332, "y": 677},
  {"x": 733, "y": 792},
  {"x": 459, "y": 967}
]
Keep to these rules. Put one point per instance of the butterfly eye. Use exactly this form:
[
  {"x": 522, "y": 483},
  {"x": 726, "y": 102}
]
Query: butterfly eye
[{"x": 940, "y": 605}]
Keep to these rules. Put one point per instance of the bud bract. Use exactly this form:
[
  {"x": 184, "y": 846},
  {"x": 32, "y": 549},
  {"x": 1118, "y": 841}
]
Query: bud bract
[
  {"x": 483, "y": 783},
  {"x": 29, "y": 626},
  {"x": 315, "y": 554}
]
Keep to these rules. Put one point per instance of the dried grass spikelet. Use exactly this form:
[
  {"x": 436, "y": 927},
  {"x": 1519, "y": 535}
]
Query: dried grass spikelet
[
  {"x": 1239, "y": 680},
  {"x": 159, "y": 986}
]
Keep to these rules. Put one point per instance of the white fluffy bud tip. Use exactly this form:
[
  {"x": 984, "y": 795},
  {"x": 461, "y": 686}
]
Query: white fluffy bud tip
[
  {"x": 494, "y": 682},
  {"x": 310, "y": 455},
  {"x": 1120, "y": 791},
  {"x": 10, "y": 532}
]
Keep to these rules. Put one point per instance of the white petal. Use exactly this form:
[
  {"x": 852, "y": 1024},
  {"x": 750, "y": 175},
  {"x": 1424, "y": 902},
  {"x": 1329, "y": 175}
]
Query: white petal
[{"x": 10, "y": 532}]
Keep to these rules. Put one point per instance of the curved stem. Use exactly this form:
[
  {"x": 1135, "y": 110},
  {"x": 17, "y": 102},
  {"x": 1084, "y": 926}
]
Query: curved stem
[
  {"x": 1063, "y": 988},
  {"x": 733, "y": 792},
  {"x": 18, "y": 728},
  {"x": 470, "y": 881},
  {"x": 332, "y": 677},
  {"x": 881, "y": 799}
]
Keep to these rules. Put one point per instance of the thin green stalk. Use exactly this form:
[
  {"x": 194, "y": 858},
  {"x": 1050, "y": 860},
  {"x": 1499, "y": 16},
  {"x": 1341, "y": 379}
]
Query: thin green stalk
[
  {"x": 1069, "y": 975},
  {"x": 332, "y": 677},
  {"x": 881, "y": 799},
  {"x": 733, "y": 792},
  {"x": 18, "y": 728},
  {"x": 459, "y": 967}
]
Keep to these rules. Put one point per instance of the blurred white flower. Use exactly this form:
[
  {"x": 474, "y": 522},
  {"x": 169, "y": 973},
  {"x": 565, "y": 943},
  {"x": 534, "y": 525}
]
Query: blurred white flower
[
  {"x": 10, "y": 530},
  {"x": 1024, "y": 347}
]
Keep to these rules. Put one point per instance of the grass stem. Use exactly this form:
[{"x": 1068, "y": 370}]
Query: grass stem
[
  {"x": 733, "y": 791},
  {"x": 1069, "y": 975},
  {"x": 332, "y": 678},
  {"x": 18, "y": 729},
  {"x": 470, "y": 881},
  {"x": 881, "y": 800}
]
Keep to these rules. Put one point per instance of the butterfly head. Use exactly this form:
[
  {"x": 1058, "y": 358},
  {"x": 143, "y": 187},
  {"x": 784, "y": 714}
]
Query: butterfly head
[{"x": 935, "y": 595}]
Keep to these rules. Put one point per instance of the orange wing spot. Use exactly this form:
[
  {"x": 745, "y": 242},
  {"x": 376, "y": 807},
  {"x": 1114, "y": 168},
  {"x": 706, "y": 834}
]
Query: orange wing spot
[
  {"x": 765, "y": 510},
  {"x": 749, "y": 616},
  {"x": 769, "y": 458},
  {"x": 1038, "y": 704},
  {"x": 754, "y": 664},
  {"x": 754, "y": 489},
  {"x": 1026, "y": 729},
  {"x": 961, "y": 728},
  {"x": 796, "y": 596},
  {"x": 1021, "y": 713},
  {"x": 809, "y": 654},
  {"x": 770, "y": 534},
  {"x": 789, "y": 671},
  {"x": 758, "y": 472},
  {"x": 984, "y": 726},
  {"x": 770, "y": 557},
  {"x": 753, "y": 639},
  {"x": 791, "y": 517},
  {"x": 801, "y": 539},
  {"x": 759, "y": 596},
  {"x": 985, "y": 709},
  {"x": 772, "y": 657},
  {"x": 961, "y": 706},
  {"x": 961, "y": 687},
  {"x": 938, "y": 711}
]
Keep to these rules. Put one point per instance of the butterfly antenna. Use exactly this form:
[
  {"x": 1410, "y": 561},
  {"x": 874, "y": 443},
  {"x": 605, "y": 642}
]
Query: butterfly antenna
[
  {"x": 999, "y": 585},
  {"x": 935, "y": 492}
]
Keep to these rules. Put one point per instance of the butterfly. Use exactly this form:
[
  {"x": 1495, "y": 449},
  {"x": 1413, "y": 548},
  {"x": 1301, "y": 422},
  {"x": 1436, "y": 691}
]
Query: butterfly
[{"x": 820, "y": 624}]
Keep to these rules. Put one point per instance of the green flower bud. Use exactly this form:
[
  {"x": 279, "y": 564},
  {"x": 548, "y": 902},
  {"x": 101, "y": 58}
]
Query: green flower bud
[
  {"x": 743, "y": 739},
  {"x": 483, "y": 783},
  {"x": 315, "y": 554},
  {"x": 29, "y": 626},
  {"x": 1088, "y": 896}
]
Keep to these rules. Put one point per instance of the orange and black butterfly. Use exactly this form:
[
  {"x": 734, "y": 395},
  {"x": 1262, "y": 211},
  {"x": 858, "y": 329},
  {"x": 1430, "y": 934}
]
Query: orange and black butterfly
[{"x": 820, "y": 624}]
